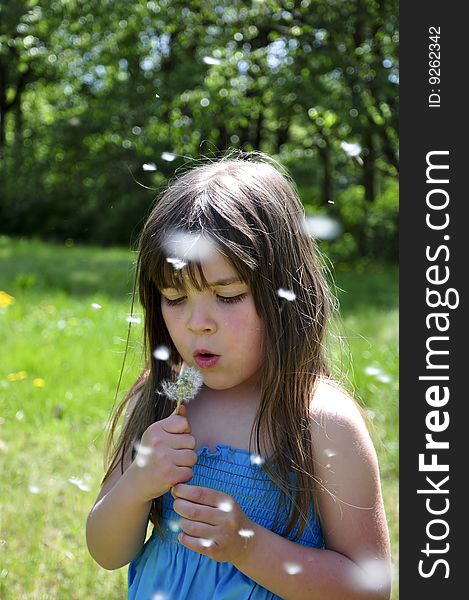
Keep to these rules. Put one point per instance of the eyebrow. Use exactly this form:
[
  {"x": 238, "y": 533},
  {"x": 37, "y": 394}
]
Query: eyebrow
[{"x": 221, "y": 282}]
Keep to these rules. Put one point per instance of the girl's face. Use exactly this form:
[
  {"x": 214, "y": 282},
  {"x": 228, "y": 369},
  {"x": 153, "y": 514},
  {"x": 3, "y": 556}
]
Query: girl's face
[{"x": 222, "y": 321}]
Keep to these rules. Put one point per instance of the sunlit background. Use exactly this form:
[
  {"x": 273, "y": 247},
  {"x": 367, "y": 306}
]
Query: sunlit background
[{"x": 101, "y": 103}]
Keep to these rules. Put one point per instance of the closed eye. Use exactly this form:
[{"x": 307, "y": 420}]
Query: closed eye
[{"x": 223, "y": 299}]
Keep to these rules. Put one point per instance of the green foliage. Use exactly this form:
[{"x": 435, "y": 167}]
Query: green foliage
[
  {"x": 369, "y": 229},
  {"x": 93, "y": 91}
]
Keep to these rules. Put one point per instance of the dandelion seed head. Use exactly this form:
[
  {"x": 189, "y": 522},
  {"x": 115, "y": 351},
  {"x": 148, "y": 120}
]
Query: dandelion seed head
[
  {"x": 287, "y": 294},
  {"x": 161, "y": 353},
  {"x": 96, "y": 306},
  {"x": 186, "y": 386},
  {"x": 292, "y": 568},
  {"x": 19, "y": 415},
  {"x": 329, "y": 453},
  {"x": 371, "y": 413},
  {"x": 226, "y": 506},
  {"x": 322, "y": 227},
  {"x": 246, "y": 533},
  {"x": 257, "y": 460},
  {"x": 133, "y": 319}
]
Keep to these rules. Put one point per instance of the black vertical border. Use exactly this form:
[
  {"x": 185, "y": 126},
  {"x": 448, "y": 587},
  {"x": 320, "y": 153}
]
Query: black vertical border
[{"x": 424, "y": 129}]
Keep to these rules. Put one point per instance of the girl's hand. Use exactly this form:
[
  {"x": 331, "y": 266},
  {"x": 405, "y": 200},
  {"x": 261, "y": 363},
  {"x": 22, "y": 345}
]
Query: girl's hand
[
  {"x": 212, "y": 522},
  {"x": 165, "y": 456}
]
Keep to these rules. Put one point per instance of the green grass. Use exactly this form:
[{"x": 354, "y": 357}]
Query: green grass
[{"x": 60, "y": 360}]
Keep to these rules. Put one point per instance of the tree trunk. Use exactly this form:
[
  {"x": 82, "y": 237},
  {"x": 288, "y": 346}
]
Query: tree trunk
[
  {"x": 325, "y": 156},
  {"x": 369, "y": 159}
]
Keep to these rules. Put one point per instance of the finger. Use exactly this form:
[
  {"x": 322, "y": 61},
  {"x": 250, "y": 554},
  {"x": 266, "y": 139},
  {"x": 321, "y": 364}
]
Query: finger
[
  {"x": 204, "y": 495},
  {"x": 201, "y": 545},
  {"x": 184, "y": 458},
  {"x": 181, "y": 440},
  {"x": 176, "y": 424},
  {"x": 196, "y": 512},
  {"x": 197, "y": 529}
]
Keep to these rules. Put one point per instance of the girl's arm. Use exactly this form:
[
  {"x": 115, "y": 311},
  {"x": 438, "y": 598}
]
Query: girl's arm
[
  {"x": 356, "y": 562},
  {"x": 117, "y": 524}
]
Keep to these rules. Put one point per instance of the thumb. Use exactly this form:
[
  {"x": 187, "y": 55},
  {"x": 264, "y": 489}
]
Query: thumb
[{"x": 182, "y": 410}]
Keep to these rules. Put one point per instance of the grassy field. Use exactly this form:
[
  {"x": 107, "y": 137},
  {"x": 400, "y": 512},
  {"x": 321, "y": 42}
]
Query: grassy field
[{"x": 63, "y": 329}]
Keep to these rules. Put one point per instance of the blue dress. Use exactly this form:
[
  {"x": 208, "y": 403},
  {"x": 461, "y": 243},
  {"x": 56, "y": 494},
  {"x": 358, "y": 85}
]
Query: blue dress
[{"x": 165, "y": 569}]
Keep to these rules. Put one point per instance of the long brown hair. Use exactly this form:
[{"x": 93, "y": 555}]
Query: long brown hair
[{"x": 248, "y": 206}]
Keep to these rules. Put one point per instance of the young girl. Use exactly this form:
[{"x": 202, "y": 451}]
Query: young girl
[{"x": 265, "y": 485}]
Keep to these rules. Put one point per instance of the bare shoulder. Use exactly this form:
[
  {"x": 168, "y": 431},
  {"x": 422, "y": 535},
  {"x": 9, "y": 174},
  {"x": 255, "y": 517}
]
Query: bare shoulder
[
  {"x": 348, "y": 489},
  {"x": 334, "y": 413}
]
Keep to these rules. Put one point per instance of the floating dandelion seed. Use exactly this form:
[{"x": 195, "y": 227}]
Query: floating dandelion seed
[
  {"x": 161, "y": 353},
  {"x": 373, "y": 574},
  {"x": 169, "y": 156},
  {"x": 329, "y": 453},
  {"x": 257, "y": 460},
  {"x": 371, "y": 413},
  {"x": 149, "y": 167},
  {"x": 181, "y": 245},
  {"x": 292, "y": 568},
  {"x": 383, "y": 378},
  {"x": 353, "y": 149},
  {"x": 246, "y": 533},
  {"x": 226, "y": 506},
  {"x": 185, "y": 388},
  {"x": 322, "y": 227},
  {"x": 177, "y": 263},
  {"x": 206, "y": 543},
  {"x": 174, "y": 525},
  {"x": 96, "y": 306},
  {"x": 142, "y": 456},
  {"x": 34, "y": 489},
  {"x": 132, "y": 319},
  {"x": 287, "y": 294},
  {"x": 80, "y": 484},
  {"x": 19, "y": 415},
  {"x": 373, "y": 371},
  {"x": 330, "y": 202},
  {"x": 210, "y": 60}
]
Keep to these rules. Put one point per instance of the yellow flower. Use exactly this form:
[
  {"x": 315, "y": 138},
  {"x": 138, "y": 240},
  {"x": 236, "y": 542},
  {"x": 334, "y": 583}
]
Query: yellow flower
[
  {"x": 38, "y": 382},
  {"x": 5, "y": 299},
  {"x": 17, "y": 376}
]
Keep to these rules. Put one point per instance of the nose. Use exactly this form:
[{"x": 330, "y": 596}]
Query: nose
[{"x": 200, "y": 320}]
